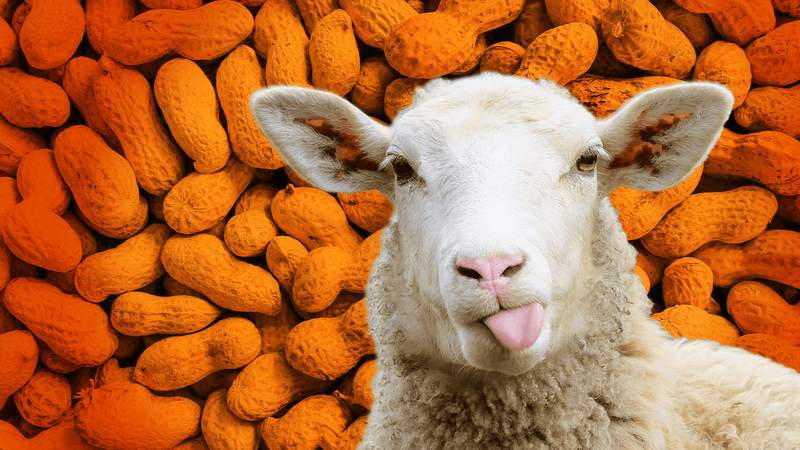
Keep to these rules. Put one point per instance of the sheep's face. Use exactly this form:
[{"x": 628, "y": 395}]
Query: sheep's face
[
  {"x": 496, "y": 183},
  {"x": 497, "y": 189}
]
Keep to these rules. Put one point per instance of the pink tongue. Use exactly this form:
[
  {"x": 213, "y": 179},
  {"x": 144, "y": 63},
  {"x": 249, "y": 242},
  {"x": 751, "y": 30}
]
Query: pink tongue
[{"x": 517, "y": 328}]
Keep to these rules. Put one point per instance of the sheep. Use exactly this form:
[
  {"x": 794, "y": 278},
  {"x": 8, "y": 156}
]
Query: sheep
[{"x": 503, "y": 305}]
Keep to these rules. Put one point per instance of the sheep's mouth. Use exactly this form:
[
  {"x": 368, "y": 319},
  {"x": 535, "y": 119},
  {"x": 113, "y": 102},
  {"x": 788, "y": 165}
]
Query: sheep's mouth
[{"x": 518, "y": 328}]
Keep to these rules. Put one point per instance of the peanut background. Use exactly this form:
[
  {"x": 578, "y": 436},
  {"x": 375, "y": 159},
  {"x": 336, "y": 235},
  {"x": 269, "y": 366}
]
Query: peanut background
[{"x": 167, "y": 283}]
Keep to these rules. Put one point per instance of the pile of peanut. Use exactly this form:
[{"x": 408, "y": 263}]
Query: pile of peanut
[{"x": 167, "y": 283}]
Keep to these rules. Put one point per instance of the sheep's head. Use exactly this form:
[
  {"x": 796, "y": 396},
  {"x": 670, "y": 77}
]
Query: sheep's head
[{"x": 496, "y": 183}]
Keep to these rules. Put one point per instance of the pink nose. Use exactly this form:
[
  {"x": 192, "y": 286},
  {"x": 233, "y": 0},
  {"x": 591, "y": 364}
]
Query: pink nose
[{"x": 491, "y": 270}]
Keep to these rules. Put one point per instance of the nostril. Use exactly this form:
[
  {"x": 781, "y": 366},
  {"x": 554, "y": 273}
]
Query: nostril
[
  {"x": 469, "y": 273},
  {"x": 511, "y": 270}
]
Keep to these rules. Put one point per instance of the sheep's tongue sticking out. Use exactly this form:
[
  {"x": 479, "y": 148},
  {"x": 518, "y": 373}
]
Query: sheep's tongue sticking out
[{"x": 517, "y": 328}]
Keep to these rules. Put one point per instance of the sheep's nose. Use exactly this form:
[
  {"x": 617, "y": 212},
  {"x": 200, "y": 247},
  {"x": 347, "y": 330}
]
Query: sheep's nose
[{"x": 491, "y": 270}]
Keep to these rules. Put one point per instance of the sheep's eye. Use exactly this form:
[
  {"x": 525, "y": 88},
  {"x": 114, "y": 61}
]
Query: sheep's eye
[
  {"x": 586, "y": 162},
  {"x": 402, "y": 169}
]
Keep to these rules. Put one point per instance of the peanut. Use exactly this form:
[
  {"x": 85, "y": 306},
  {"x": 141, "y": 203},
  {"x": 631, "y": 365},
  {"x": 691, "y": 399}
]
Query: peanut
[
  {"x": 328, "y": 270},
  {"x": 326, "y": 348},
  {"x": 734, "y": 217},
  {"x": 75, "y": 329},
  {"x": 268, "y": 384},
  {"x": 693, "y": 323},
  {"x": 178, "y": 361},
  {"x": 202, "y": 262},
  {"x": 689, "y": 281},
  {"x": 755, "y": 308}
]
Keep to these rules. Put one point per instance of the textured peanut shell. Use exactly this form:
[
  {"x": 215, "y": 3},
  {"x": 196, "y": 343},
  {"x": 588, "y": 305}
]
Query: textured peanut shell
[
  {"x": 473, "y": 61},
  {"x": 200, "y": 200},
  {"x": 503, "y": 57},
  {"x": 126, "y": 101},
  {"x": 770, "y": 158},
  {"x": 373, "y": 21},
  {"x": 314, "y": 422},
  {"x": 333, "y": 53},
  {"x": 131, "y": 265},
  {"x": 179, "y": 361},
  {"x": 354, "y": 433},
  {"x": 54, "y": 362},
  {"x": 437, "y": 43},
  {"x": 9, "y": 44},
  {"x": 373, "y": 78},
  {"x": 38, "y": 236},
  {"x": 77, "y": 83},
  {"x": 257, "y": 197},
  {"x": 129, "y": 229},
  {"x": 224, "y": 430},
  {"x": 734, "y": 217},
  {"x": 689, "y": 281},
  {"x": 141, "y": 314},
  {"x": 602, "y": 96},
  {"x": 737, "y": 21},
  {"x": 313, "y": 10},
  {"x": 105, "y": 16},
  {"x": 560, "y": 54},
  {"x": 27, "y": 101},
  {"x": 790, "y": 7},
  {"x": 274, "y": 329},
  {"x": 693, "y": 323},
  {"x": 772, "y": 255},
  {"x": 314, "y": 217},
  {"x": 19, "y": 355},
  {"x": 638, "y": 35},
  {"x": 38, "y": 178},
  {"x": 115, "y": 415},
  {"x": 775, "y": 57},
  {"x": 44, "y": 399},
  {"x": 369, "y": 210},
  {"x": 239, "y": 75},
  {"x": 771, "y": 108},
  {"x": 531, "y": 22},
  {"x": 328, "y": 270},
  {"x": 248, "y": 234},
  {"x": 189, "y": 104},
  {"x": 725, "y": 63},
  {"x": 102, "y": 181},
  {"x": 755, "y": 308},
  {"x": 281, "y": 39},
  {"x": 590, "y": 12},
  {"x": 203, "y": 33},
  {"x": 73, "y": 328},
  {"x": 202, "y": 262},
  {"x": 110, "y": 372},
  {"x": 52, "y": 32},
  {"x": 173, "y": 4},
  {"x": 268, "y": 384},
  {"x": 62, "y": 436},
  {"x": 771, "y": 347},
  {"x": 362, "y": 383},
  {"x": 327, "y": 348},
  {"x": 284, "y": 256},
  {"x": 15, "y": 142},
  {"x": 641, "y": 211},
  {"x": 697, "y": 27},
  {"x": 399, "y": 95}
]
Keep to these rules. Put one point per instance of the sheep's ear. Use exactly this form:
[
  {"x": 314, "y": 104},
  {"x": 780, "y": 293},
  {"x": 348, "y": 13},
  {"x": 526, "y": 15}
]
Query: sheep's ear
[
  {"x": 661, "y": 135},
  {"x": 324, "y": 138}
]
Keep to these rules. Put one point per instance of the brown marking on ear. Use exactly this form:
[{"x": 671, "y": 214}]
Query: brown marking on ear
[
  {"x": 347, "y": 149},
  {"x": 643, "y": 149}
]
